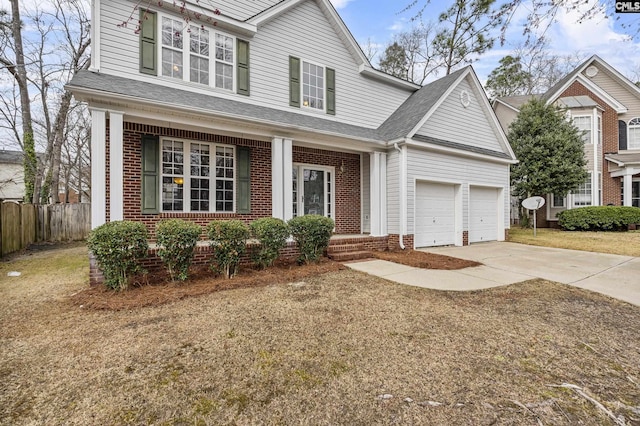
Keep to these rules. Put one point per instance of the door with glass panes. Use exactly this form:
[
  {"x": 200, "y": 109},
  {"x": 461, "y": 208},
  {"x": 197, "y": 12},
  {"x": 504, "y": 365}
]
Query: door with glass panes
[{"x": 313, "y": 190}]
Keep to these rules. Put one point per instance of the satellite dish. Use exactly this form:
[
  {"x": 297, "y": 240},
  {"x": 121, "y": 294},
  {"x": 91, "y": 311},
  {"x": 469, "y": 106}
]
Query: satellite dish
[{"x": 533, "y": 203}]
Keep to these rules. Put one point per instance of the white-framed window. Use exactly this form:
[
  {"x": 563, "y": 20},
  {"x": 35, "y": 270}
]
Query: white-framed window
[
  {"x": 197, "y": 176},
  {"x": 186, "y": 54},
  {"x": 313, "y": 86},
  {"x": 557, "y": 201},
  {"x": 599, "y": 130},
  {"x": 172, "y": 45},
  {"x": 582, "y": 195},
  {"x": 633, "y": 141},
  {"x": 583, "y": 123},
  {"x": 199, "y": 51}
]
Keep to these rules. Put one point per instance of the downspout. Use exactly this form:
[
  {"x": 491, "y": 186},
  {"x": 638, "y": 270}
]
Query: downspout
[{"x": 402, "y": 195}]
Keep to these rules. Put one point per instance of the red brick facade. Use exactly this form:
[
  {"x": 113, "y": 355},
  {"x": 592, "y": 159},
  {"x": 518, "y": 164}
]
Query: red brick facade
[
  {"x": 610, "y": 186},
  {"x": 347, "y": 178}
]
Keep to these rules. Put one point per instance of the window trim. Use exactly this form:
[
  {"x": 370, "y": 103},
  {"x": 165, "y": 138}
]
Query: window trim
[
  {"x": 556, "y": 206},
  {"x": 186, "y": 189},
  {"x": 589, "y": 181},
  {"x": 186, "y": 55},
  {"x": 324, "y": 87},
  {"x": 635, "y": 126},
  {"x": 299, "y": 193},
  {"x": 590, "y": 117}
]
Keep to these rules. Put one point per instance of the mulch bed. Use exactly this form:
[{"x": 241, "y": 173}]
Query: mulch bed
[
  {"x": 421, "y": 259},
  {"x": 156, "y": 289}
]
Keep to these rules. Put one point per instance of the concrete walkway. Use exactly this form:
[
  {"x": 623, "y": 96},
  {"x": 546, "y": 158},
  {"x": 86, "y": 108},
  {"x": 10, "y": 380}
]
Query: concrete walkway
[{"x": 508, "y": 263}]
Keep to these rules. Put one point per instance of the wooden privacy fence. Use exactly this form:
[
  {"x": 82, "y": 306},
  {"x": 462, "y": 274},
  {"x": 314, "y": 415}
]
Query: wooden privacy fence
[{"x": 24, "y": 224}]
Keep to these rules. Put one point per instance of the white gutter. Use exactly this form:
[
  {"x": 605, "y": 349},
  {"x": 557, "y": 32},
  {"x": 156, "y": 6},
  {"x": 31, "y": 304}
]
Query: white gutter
[{"x": 403, "y": 204}]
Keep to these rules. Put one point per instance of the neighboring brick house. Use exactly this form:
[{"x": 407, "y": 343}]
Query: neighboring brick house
[
  {"x": 606, "y": 107},
  {"x": 276, "y": 111}
]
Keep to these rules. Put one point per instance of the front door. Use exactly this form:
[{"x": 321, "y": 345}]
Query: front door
[{"x": 312, "y": 190}]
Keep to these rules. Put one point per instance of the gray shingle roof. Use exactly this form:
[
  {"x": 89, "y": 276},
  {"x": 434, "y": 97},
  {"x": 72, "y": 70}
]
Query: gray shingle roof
[
  {"x": 409, "y": 114},
  {"x": 518, "y": 100},
  {"x": 226, "y": 107},
  {"x": 11, "y": 157},
  {"x": 463, "y": 147}
]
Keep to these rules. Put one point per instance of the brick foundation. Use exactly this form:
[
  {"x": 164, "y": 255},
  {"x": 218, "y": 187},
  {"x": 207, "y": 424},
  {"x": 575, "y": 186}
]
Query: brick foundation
[
  {"x": 465, "y": 238},
  {"x": 394, "y": 241}
]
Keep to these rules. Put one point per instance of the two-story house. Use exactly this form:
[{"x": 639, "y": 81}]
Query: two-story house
[
  {"x": 605, "y": 106},
  {"x": 270, "y": 108}
]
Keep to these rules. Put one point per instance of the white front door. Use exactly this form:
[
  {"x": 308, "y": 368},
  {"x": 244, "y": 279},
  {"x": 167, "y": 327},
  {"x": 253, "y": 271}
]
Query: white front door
[{"x": 313, "y": 190}]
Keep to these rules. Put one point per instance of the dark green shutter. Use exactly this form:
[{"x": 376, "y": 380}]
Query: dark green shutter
[
  {"x": 294, "y": 81},
  {"x": 331, "y": 91},
  {"x": 243, "y": 67},
  {"x": 243, "y": 161},
  {"x": 150, "y": 174},
  {"x": 148, "y": 34},
  {"x": 622, "y": 135}
]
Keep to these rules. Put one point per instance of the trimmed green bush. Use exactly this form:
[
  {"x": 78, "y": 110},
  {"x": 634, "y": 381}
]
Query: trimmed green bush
[
  {"x": 312, "y": 234},
  {"x": 272, "y": 234},
  {"x": 599, "y": 218},
  {"x": 177, "y": 241},
  {"x": 119, "y": 247},
  {"x": 228, "y": 242}
]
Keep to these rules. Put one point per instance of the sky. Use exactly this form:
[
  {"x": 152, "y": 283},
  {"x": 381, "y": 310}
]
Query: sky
[{"x": 379, "y": 20}]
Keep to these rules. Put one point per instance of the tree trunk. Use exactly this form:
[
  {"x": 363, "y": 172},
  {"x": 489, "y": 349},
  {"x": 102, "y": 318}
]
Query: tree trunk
[
  {"x": 58, "y": 140},
  {"x": 19, "y": 72}
]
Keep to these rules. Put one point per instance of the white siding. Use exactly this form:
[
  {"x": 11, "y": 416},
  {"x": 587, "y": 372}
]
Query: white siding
[
  {"x": 455, "y": 123},
  {"x": 11, "y": 181},
  {"x": 393, "y": 192},
  {"x": 242, "y": 9},
  {"x": 304, "y": 32},
  {"x": 438, "y": 167}
]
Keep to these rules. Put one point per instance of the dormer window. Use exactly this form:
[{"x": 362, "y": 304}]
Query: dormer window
[{"x": 634, "y": 134}]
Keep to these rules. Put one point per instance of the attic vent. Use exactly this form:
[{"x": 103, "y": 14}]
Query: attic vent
[{"x": 592, "y": 71}]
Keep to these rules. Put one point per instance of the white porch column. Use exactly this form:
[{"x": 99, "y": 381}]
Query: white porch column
[
  {"x": 98, "y": 167},
  {"x": 287, "y": 179},
  {"x": 116, "y": 166},
  {"x": 277, "y": 178},
  {"x": 627, "y": 186},
  {"x": 378, "y": 182}
]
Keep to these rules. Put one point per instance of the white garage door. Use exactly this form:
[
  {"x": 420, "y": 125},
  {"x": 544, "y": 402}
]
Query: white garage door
[
  {"x": 435, "y": 214},
  {"x": 483, "y": 214}
]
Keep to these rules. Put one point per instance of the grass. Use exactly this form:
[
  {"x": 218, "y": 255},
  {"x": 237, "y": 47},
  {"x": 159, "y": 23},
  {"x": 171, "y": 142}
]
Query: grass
[
  {"x": 324, "y": 350},
  {"x": 624, "y": 243}
]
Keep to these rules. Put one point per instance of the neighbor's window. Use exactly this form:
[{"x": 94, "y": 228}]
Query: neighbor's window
[
  {"x": 583, "y": 123},
  {"x": 557, "y": 201},
  {"x": 582, "y": 195},
  {"x": 312, "y": 86},
  {"x": 197, "y": 177},
  {"x": 634, "y": 134}
]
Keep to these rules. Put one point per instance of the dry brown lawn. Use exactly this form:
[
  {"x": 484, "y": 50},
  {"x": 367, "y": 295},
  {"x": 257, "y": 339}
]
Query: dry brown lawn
[
  {"x": 624, "y": 243},
  {"x": 336, "y": 348}
]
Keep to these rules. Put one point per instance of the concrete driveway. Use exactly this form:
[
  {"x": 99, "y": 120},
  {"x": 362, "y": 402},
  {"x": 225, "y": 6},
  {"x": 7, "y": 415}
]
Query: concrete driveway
[{"x": 508, "y": 263}]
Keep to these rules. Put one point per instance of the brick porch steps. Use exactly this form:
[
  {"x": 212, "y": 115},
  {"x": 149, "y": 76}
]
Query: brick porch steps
[{"x": 342, "y": 252}]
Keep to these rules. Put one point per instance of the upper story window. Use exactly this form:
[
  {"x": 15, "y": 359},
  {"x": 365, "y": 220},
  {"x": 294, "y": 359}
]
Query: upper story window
[
  {"x": 634, "y": 134},
  {"x": 312, "y": 86},
  {"x": 193, "y": 53},
  {"x": 557, "y": 201},
  {"x": 583, "y": 123}
]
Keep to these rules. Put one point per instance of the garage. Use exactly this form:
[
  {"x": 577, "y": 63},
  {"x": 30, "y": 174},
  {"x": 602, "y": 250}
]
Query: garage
[
  {"x": 435, "y": 214},
  {"x": 483, "y": 214}
]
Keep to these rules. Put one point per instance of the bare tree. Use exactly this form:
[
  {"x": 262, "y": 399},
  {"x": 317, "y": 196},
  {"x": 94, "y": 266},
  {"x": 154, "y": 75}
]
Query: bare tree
[
  {"x": 421, "y": 58},
  {"x": 370, "y": 50},
  {"x": 55, "y": 48},
  {"x": 11, "y": 41}
]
